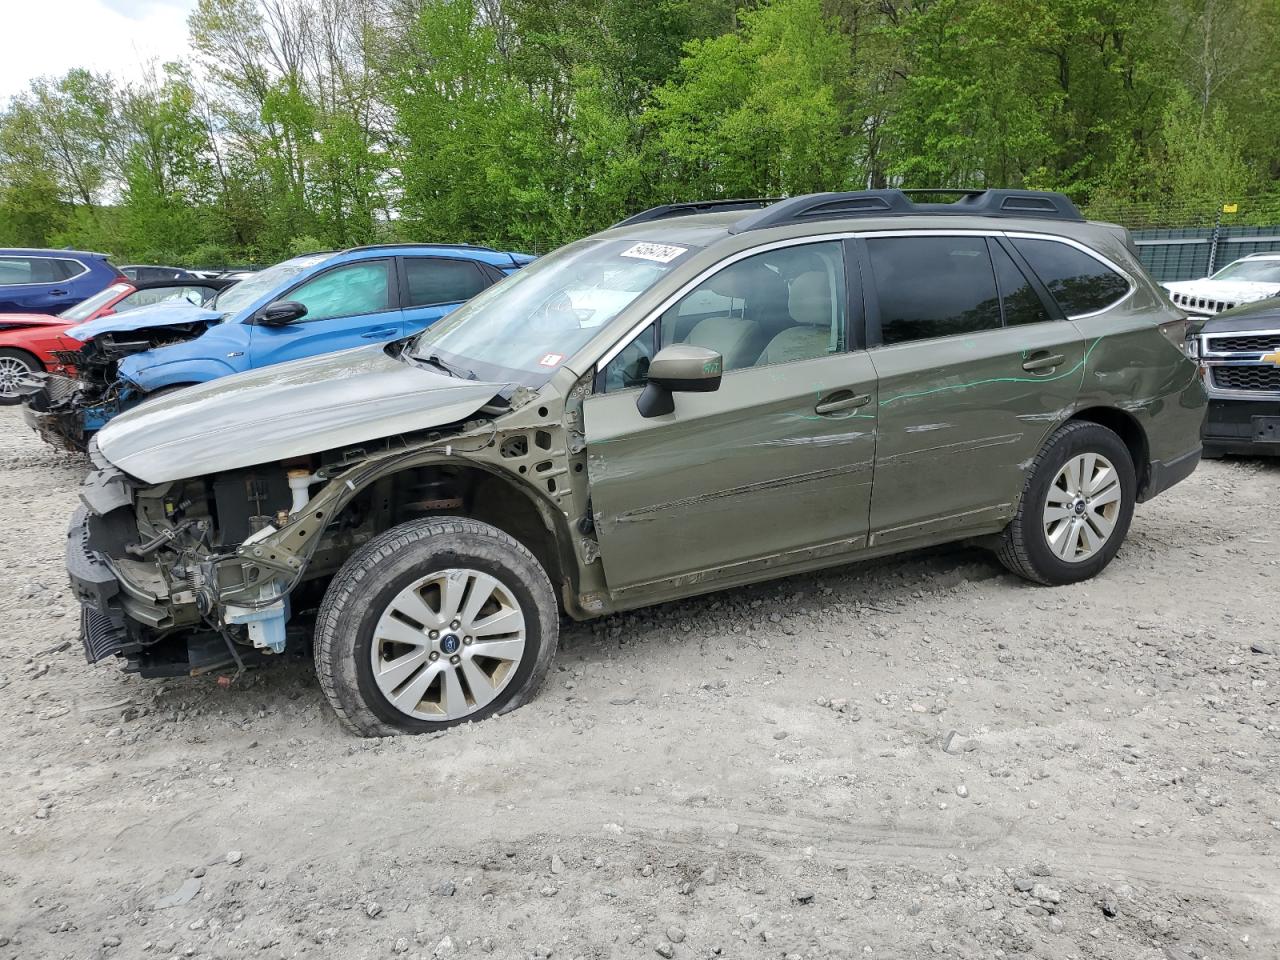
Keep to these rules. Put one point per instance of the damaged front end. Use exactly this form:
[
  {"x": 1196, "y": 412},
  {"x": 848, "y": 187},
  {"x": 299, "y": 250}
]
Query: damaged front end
[
  {"x": 173, "y": 577},
  {"x": 66, "y": 410}
]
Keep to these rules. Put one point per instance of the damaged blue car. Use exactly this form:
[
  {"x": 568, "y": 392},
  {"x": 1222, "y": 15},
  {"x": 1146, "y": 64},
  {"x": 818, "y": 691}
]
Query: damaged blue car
[{"x": 308, "y": 305}]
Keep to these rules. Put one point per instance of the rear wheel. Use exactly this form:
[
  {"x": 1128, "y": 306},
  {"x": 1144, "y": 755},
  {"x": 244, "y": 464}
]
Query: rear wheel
[
  {"x": 434, "y": 623},
  {"x": 1076, "y": 507},
  {"x": 15, "y": 366}
]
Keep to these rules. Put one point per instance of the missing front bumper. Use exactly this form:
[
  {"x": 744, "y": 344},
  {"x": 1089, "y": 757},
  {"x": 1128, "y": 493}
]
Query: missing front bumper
[{"x": 103, "y": 630}]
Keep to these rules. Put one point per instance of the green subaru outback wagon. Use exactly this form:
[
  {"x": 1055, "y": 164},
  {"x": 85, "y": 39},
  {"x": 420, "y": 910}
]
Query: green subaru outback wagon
[{"x": 704, "y": 395}]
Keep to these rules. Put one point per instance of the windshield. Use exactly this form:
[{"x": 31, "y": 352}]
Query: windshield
[
  {"x": 522, "y": 329},
  {"x": 1254, "y": 271},
  {"x": 253, "y": 288},
  {"x": 87, "y": 308}
]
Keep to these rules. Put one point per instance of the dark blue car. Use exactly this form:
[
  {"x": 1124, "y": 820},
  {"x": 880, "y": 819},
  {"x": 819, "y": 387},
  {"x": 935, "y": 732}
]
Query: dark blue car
[{"x": 49, "y": 281}]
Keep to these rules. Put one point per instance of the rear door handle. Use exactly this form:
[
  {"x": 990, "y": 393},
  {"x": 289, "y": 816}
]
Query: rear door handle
[
  {"x": 57, "y": 293},
  {"x": 841, "y": 401},
  {"x": 1043, "y": 361},
  {"x": 379, "y": 333}
]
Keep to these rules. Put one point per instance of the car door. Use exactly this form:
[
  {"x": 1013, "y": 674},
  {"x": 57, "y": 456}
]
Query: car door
[
  {"x": 432, "y": 286},
  {"x": 38, "y": 284},
  {"x": 349, "y": 305},
  {"x": 975, "y": 364},
  {"x": 772, "y": 468}
]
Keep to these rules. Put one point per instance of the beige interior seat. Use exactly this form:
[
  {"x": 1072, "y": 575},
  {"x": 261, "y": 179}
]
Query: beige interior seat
[
  {"x": 809, "y": 303},
  {"x": 737, "y": 339}
]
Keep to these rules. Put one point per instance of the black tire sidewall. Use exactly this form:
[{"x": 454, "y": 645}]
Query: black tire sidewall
[
  {"x": 1090, "y": 439},
  {"x": 384, "y": 579}
]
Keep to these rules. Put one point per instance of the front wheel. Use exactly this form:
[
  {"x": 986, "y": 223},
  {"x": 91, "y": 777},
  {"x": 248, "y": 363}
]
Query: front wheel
[
  {"x": 434, "y": 623},
  {"x": 1076, "y": 506},
  {"x": 15, "y": 366}
]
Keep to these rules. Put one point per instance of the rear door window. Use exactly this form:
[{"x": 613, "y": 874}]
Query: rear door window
[
  {"x": 931, "y": 287},
  {"x": 1080, "y": 283},
  {"x": 433, "y": 280}
]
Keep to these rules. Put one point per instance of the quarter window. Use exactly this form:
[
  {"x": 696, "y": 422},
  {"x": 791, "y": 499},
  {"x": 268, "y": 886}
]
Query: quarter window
[
  {"x": 1018, "y": 297},
  {"x": 1080, "y": 283},
  {"x": 933, "y": 287},
  {"x": 346, "y": 291},
  {"x": 434, "y": 280}
]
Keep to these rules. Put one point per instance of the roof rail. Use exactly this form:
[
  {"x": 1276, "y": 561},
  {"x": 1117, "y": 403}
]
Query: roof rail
[
  {"x": 1033, "y": 204},
  {"x": 392, "y": 246},
  {"x": 667, "y": 210}
]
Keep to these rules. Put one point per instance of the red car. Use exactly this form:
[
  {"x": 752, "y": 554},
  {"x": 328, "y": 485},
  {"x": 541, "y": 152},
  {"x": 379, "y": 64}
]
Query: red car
[{"x": 28, "y": 340}]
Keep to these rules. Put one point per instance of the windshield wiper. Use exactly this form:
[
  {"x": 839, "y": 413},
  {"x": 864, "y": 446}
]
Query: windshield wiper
[{"x": 435, "y": 361}]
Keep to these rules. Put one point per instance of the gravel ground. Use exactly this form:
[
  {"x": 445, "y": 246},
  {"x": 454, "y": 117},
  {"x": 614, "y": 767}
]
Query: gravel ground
[{"x": 917, "y": 758}]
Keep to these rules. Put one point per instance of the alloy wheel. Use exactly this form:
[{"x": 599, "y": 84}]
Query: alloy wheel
[
  {"x": 1082, "y": 507},
  {"x": 12, "y": 372},
  {"x": 448, "y": 644}
]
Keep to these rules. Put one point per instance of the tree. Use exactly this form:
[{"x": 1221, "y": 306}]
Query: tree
[{"x": 758, "y": 111}]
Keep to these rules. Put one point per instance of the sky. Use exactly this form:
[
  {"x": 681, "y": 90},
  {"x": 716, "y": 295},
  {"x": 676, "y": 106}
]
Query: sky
[{"x": 120, "y": 37}]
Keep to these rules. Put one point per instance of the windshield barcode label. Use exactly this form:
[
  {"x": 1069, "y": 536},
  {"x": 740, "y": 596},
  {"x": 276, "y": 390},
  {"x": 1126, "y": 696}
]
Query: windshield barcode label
[{"x": 661, "y": 252}]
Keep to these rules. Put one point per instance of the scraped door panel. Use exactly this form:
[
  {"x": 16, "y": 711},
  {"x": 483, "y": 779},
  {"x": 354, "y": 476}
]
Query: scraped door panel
[
  {"x": 748, "y": 476},
  {"x": 975, "y": 368},
  {"x": 960, "y": 421}
]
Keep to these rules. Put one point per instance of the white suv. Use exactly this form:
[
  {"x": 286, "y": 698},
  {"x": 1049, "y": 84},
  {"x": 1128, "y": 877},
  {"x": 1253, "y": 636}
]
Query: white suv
[{"x": 1255, "y": 277}]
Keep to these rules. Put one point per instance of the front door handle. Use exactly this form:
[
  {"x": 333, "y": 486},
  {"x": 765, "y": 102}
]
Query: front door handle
[
  {"x": 841, "y": 401},
  {"x": 1043, "y": 361},
  {"x": 57, "y": 293},
  {"x": 380, "y": 333}
]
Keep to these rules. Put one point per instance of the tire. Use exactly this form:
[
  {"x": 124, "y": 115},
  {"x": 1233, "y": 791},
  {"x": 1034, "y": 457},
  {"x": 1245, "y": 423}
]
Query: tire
[
  {"x": 374, "y": 629},
  {"x": 1047, "y": 549},
  {"x": 14, "y": 364}
]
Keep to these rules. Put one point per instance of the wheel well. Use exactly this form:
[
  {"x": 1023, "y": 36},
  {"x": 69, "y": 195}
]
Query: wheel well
[
  {"x": 1127, "y": 428},
  {"x": 448, "y": 490},
  {"x": 27, "y": 355}
]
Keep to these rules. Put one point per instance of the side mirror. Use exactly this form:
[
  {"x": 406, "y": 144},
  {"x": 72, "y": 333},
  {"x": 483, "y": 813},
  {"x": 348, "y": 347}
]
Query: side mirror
[
  {"x": 281, "y": 313},
  {"x": 679, "y": 368}
]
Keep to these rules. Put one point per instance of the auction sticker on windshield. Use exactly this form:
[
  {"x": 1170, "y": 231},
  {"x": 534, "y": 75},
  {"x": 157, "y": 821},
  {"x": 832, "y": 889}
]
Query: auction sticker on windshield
[
  {"x": 551, "y": 360},
  {"x": 661, "y": 252}
]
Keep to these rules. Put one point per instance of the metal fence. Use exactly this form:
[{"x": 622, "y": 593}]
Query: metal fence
[{"x": 1188, "y": 253}]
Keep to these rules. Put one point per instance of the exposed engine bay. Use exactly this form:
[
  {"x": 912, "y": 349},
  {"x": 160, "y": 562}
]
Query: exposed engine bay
[
  {"x": 226, "y": 571},
  {"x": 71, "y": 408}
]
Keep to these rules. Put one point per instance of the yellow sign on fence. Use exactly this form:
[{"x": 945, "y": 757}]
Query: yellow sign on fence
[{"x": 1230, "y": 207}]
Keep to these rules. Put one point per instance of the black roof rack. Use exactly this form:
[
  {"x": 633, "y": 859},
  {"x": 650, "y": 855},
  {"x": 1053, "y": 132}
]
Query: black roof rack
[
  {"x": 1033, "y": 204},
  {"x": 695, "y": 206},
  {"x": 392, "y": 246}
]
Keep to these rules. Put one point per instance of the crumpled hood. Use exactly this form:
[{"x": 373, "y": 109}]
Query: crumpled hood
[
  {"x": 287, "y": 410},
  {"x": 14, "y": 321},
  {"x": 1226, "y": 291},
  {"x": 140, "y": 318}
]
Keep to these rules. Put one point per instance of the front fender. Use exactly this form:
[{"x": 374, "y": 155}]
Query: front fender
[{"x": 154, "y": 369}]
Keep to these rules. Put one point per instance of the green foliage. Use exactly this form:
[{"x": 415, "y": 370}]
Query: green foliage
[
  {"x": 319, "y": 124},
  {"x": 757, "y": 111}
]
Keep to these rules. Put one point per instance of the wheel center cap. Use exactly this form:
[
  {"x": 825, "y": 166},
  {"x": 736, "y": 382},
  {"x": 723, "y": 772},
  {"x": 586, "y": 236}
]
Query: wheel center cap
[
  {"x": 1079, "y": 508},
  {"x": 450, "y": 643}
]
